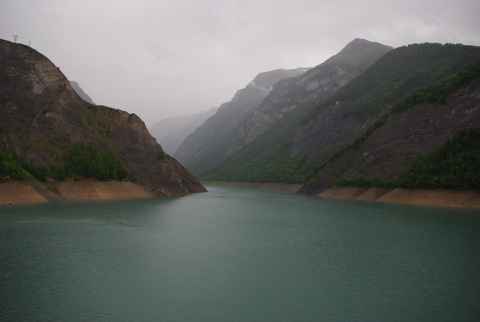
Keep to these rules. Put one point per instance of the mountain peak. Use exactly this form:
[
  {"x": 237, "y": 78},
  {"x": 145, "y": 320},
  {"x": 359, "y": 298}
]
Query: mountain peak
[{"x": 360, "y": 50}]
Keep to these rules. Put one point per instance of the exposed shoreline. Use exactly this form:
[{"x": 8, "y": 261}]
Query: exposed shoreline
[
  {"x": 23, "y": 192},
  {"x": 433, "y": 197},
  {"x": 438, "y": 197}
]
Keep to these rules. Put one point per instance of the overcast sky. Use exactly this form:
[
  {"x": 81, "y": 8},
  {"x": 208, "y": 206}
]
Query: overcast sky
[{"x": 163, "y": 58}]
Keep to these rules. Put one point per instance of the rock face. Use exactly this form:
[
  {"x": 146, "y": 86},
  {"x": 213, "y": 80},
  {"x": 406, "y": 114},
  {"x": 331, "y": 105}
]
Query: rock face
[
  {"x": 212, "y": 142},
  {"x": 171, "y": 132},
  {"x": 41, "y": 116}
]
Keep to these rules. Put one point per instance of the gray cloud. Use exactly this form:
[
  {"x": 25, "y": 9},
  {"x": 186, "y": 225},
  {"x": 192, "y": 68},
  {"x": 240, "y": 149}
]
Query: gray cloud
[{"x": 164, "y": 58}]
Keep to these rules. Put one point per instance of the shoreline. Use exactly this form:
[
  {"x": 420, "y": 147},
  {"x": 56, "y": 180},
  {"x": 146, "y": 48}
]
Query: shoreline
[
  {"x": 23, "y": 192},
  {"x": 423, "y": 197},
  {"x": 420, "y": 197},
  {"x": 255, "y": 185}
]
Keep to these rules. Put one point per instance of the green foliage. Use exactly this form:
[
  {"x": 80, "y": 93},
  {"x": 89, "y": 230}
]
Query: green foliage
[
  {"x": 268, "y": 158},
  {"x": 397, "y": 73},
  {"x": 10, "y": 168},
  {"x": 287, "y": 169},
  {"x": 83, "y": 161},
  {"x": 428, "y": 94},
  {"x": 161, "y": 155},
  {"x": 42, "y": 171},
  {"x": 439, "y": 91},
  {"x": 453, "y": 165},
  {"x": 359, "y": 181},
  {"x": 80, "y": 162}
]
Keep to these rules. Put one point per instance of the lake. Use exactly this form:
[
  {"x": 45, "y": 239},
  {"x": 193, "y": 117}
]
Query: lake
[{"x": 236, "y": 254}]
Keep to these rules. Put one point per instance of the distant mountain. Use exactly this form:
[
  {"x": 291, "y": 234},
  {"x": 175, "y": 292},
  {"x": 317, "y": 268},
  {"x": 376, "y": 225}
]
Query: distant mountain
[
  {"x": 211, "y": 143},
  {"x": 48, "y": 132},
  {"x": 263, "y": 141},
  {"x": 310, "y": 88},
  {"x": 411, "y": 119},
  {"x": 171, "y": 132},
  {"x": 80, "y": 92}
]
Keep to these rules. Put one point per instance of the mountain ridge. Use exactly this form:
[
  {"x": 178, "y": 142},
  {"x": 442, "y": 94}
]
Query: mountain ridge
[
  {"x": 305, "y": 141},
  {"x": 211, "y": 143}
]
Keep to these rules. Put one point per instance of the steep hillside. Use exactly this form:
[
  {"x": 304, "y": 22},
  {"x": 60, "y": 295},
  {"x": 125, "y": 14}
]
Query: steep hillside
[
  {"x": 265, "y": 139},
  {"x": 348, "y": 113},
  {"x": 212, "y": 142},
  {"x": 429, "y": 139},
  {"x": 43, "y": 122},
  {"x": 289, "y": 152},
  {"x": 171, "y": 132},
  {"x": 310, "y": 88}
]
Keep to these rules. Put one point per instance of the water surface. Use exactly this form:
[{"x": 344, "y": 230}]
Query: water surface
[{"x": 237, "y": 254}]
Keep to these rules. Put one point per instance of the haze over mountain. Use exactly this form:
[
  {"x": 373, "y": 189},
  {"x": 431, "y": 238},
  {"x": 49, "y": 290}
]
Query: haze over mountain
[
  {"x": 212, "y": 142},
  {"x": 50, "y": 133},
  {"x": 171, "y": 132},
  {"x": 200, "y": 152},
  {"x": 371, "y": 130},
  {"x": 81, "y": 92}
]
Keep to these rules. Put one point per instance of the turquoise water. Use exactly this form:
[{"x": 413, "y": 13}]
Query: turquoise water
[{"x": 236, "y": 254}]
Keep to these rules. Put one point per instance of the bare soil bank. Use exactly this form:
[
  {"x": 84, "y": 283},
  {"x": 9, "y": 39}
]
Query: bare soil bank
[
  {"x": 451, "y": 198},
  {"x": 16, "y": 192},
  {"x": 91, "y": 190},
  {"x": 13, "y": 192}
]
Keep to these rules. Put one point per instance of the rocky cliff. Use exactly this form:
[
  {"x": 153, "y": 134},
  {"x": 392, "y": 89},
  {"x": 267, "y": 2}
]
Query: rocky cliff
[
  {"x": 212, "y": 142},
  {"x": 41, "y": 117}
]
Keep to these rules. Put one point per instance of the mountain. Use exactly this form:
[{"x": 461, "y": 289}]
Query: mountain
[
  {"x": 311, "y": 87},
  {"x": 76, "y": 87},
  {"x": 49, "y": 132},
  {"x": 171, "y": 132},
  {"x": 428, "y": 138},
  {"x": 264, "y": 141},
  {"x": 353, "y": 136},
  {"x": 211, "y": 143}
]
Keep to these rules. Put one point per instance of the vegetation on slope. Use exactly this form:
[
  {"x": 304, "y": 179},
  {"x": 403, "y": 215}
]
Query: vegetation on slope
[
  {"x": 453, "y": 165},
  {"x": 407, "y": 76},
  {"x": 84, "y": 162},
  {"x": 268, "y": 158},
  {"x": 80, "y": 162},
  {"x": 10, "y": 168},
  {"x": 433, "y": 93},
  {"x": 397, "y": 73}
]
